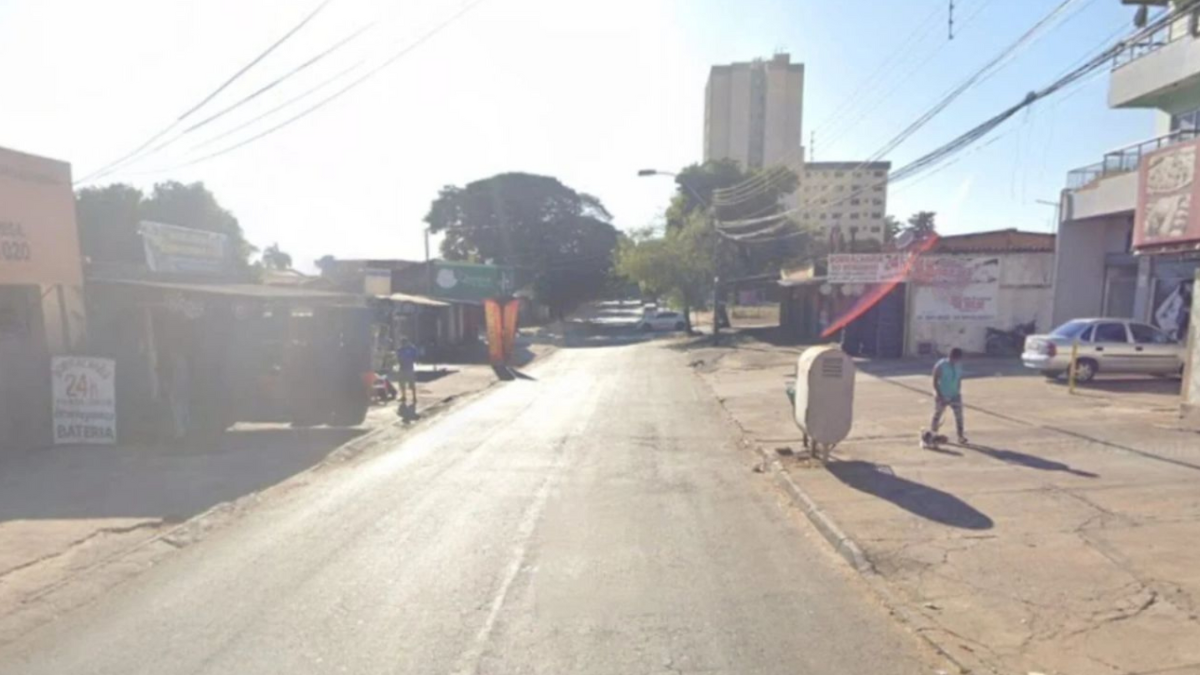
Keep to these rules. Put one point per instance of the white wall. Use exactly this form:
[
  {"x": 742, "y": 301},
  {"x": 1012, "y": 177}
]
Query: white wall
[
  {"x": 1108, "y": 196},
  {"x": 1191, "y": 377},
  {"x": 1079, "y": 275},
  {"x": 1140, "y": 82},
  {"x": 1025, "y": 294}
]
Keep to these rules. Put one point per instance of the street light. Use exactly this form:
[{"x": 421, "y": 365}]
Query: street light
[{"x": 716, "y": 325}]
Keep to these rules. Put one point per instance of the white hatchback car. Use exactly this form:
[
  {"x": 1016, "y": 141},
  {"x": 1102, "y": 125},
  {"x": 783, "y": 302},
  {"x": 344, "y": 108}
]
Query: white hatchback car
[
  {"x": 1105, "y": 346},
  {"x": 661, "y": 321}
]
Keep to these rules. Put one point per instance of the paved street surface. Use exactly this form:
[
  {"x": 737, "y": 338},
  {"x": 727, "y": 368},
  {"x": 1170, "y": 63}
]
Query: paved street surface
[
  {"x": 1063, "y": 540},
  {"x": 598, "y": 519}
]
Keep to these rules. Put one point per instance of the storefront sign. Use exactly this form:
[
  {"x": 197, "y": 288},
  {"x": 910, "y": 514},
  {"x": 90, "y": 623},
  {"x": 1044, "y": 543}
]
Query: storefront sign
[
  {"x": 955, "y": 288},
  {"x": 866, "y": 268},
  {"x": 39, "y": 242},
  {"x": 466, "y": 281},
  {"x": 84, "y": 398},
  {"x": 1169, "y": 197},
  {"x": 183, "y": 250}
]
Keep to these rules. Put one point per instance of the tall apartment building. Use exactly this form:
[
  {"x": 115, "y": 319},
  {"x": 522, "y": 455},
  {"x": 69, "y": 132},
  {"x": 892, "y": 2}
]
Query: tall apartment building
[
  {"x": 847, "y": 200},
  {"x": 1129, "y": 231},
  {"x": 752, "y": 112}
]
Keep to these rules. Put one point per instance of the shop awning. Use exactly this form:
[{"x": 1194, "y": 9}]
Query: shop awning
[
  {"x": 251, "y": 291},
  {"x": 413, "y": 299}
]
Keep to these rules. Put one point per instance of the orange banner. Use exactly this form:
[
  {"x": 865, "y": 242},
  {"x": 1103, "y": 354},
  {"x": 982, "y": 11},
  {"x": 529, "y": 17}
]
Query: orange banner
[
  {"x": 494, "y": 315},
  {"x": 511, "y": 309}
]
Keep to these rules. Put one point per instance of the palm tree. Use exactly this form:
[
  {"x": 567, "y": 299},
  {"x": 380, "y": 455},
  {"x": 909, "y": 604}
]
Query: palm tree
[{"x": 921, "y": 225}]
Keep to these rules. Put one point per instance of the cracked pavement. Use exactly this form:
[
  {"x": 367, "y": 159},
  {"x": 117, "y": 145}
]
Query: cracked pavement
[{"x": 1064, "y": 541}]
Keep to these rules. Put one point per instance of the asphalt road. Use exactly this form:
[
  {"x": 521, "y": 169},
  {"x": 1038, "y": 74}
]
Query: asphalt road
[{"x": 598, "y": 519}]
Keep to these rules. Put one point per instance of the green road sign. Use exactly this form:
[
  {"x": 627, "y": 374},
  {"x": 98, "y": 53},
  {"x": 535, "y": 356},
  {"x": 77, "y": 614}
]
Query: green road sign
[{"x": 468, "y": 281}]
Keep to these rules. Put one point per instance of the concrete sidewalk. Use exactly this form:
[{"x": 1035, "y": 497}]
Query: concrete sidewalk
[
  {"x": 66, "y": 510},
  {"x": 1065, "y": 539}
]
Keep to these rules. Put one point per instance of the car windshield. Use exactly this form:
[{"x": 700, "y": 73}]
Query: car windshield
[{"x": 1071, "y": 329}]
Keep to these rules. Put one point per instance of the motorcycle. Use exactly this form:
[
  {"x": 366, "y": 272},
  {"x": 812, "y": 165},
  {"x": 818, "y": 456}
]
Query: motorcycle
[
  {"x": 1009, "y": 342},
  {"x": 382, "y": 388}
]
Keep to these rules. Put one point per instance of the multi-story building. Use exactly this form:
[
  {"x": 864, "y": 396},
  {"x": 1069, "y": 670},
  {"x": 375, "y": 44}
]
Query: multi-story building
[
  {"x": 752, "y": 112},
  {"x": 846, "y": 200},
  {"x": 1127, "y": 246}
]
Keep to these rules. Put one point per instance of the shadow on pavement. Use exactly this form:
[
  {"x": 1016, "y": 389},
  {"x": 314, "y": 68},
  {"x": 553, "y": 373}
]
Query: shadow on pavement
[
  {"x": 1129, "y": 385},
  {"x": 173, "y": 482},
  {"x": 916, "y": 498},
  {"x": 1030, "y": 461},
  {"x": 432, "y": 375},
  {"x": 973, "y": 367}
]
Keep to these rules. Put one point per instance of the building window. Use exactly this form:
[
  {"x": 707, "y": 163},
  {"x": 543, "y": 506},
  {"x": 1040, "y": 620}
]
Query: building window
[
  {"x": 1188, "y": 121},
  {"x": 854, "y": 216},
  {"x": 876, "y": 215},
  {"x": 876, "y": 228},
  {"x": 837, "y": 174},
  {"x": 858, "y": 174},
  {"x": 879, "y": 174},
  {"x": 855, "y": 202},
  {"x": 877, "y": 202},
  {"x": 836, "y": 216},
  {"x": 822, "y": 216},
  {"x": 878, "y": 188},
  {"x": 838, "y": 188}
]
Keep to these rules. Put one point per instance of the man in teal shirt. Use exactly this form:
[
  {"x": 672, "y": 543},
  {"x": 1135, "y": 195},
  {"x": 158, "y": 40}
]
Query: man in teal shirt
[{"x": 947, "y": 388}]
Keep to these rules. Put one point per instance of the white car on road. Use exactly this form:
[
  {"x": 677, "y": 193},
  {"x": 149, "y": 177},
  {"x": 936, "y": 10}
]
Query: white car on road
[
  {"x": 652, "y": 321},
  {"x": 1105, "y": 346}
]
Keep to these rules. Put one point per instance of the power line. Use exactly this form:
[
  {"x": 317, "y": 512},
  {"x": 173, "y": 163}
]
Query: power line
[
  {"x": 956, "y": 145},
  {"x": 178, "y": 120},
  {"x": 337, "y": 94}
]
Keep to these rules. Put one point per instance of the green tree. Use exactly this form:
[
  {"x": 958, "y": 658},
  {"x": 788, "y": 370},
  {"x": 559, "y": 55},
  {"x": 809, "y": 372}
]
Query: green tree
[
  {"x": 275, "y": 259},
  {"x": 891, "y": 229},
  {"x": 921, "y": 224},
  {"x": 749, "y": 195},
  {"x": 108, "y": 223},
  {"x": 109, "y": 218},
  {"x": 678, "y": 265},
  {"x": 561, "y": 241}
]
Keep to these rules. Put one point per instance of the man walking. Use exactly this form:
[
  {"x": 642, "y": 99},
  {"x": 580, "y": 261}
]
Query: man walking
[
  {"x": 947, "y": 389},
  {"x": 407, "y": 357}
]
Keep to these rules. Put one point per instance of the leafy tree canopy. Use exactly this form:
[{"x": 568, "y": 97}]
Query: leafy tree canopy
[
  {"x": 561, "y": 241},
  {"x": 922, "y": 225},
  {"x": 275, "y": 259},
  {"x": 108, "y": 218}
]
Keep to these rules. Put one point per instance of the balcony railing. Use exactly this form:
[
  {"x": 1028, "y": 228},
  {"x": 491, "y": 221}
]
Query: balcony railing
[
  {"x": 1126, "y": 159},
  {"x": 1151, "y": 41}
]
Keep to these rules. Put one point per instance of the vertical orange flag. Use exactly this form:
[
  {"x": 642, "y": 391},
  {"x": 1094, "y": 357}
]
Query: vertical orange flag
[
  {"x": 494, "y": 315},
  {"x": 509, "y": 339}
]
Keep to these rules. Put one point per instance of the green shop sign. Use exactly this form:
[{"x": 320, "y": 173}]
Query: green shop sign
[{"x": 467, "y": 281}]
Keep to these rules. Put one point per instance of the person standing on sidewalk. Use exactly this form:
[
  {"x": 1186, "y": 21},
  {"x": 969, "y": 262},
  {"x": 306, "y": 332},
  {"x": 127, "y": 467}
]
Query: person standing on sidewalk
[
  {"x": 947, "y": 389},
  {"x": 407, "y": 358}
]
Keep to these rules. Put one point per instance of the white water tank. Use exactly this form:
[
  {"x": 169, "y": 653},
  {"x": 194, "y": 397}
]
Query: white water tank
[{"x": 824, "y": 400}]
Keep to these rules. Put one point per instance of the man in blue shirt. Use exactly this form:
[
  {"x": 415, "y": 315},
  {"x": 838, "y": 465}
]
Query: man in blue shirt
[
  {"x": 947, "y": 389},
  {"x": 407, "y": 357}
]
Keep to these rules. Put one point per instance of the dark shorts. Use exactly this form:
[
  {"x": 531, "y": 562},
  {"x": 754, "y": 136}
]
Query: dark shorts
[{"x": 408, "y": 376}]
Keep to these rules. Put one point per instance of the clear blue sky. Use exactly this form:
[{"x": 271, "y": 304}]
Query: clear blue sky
[{"x": 583, "y": 90}]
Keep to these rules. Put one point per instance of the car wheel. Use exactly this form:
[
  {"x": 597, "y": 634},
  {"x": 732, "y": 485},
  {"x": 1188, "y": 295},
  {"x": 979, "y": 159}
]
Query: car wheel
[
  {"x": 1051, "y": 374},
  {"x": 679, "y": 325},
  {"x": 1085, "y": 370}
]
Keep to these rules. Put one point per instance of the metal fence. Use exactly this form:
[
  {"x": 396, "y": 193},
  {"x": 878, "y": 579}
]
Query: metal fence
[{"x": 1126, "y": 159}]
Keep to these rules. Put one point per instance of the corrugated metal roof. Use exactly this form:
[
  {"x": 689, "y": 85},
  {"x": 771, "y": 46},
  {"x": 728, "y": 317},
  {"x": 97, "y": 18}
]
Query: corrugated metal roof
[
  {"x": 414, "y": 299},
  {"x": 996, "y": 241},
  {"x": 238, "y": 290}
]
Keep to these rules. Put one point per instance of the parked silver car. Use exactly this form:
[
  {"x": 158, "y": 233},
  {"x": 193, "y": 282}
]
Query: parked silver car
[{"x": 1105, "y": 346}]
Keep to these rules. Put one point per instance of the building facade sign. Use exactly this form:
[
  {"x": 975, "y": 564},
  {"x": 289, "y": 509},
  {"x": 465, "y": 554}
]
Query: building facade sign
[
  {"x": 39, "y": 241},
  {"x": 467, "y": 281},
  {"x": 956, "y": 288},
  {"x": 1168, "y": 210},
  {"x": 866, "y": 268},
  {"x": 184, "y": 250},
  {"x": 84, "y": 400}
]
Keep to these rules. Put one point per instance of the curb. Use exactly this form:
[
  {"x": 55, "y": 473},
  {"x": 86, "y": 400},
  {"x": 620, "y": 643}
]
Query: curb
[{"x": 840, "y": 541}]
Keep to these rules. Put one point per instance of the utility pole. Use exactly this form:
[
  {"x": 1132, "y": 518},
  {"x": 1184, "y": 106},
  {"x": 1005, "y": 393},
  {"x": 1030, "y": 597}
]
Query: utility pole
[
  {"x": 950, "y": 20},
  {"x": 812, "y": 146}
]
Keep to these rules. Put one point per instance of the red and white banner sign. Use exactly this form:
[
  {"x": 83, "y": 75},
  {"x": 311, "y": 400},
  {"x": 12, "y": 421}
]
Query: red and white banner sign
[{"x": 1168, "y": 197}]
